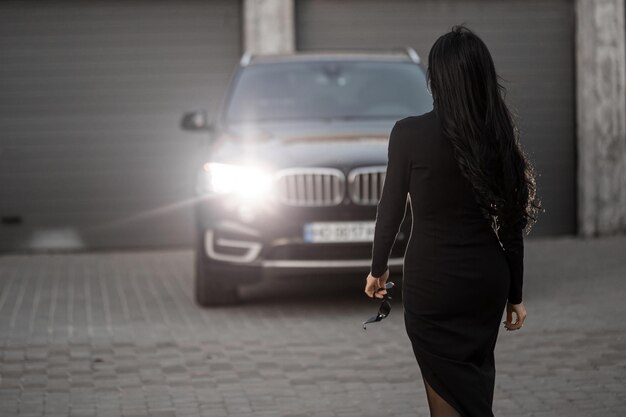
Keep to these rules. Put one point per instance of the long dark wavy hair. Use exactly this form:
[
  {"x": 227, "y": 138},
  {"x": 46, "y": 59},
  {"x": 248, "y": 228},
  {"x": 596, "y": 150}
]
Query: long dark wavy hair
[{"x": 470, "y": 103}]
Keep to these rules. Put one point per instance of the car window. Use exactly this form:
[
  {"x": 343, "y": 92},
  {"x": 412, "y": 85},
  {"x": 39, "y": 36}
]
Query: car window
[{"x": 328, "y": 90}]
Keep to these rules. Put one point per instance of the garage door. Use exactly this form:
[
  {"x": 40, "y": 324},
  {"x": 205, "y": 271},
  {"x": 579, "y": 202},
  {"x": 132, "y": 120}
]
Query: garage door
[
  {"x": 532, "y": 43},
  {"x": 91, "y": 155}
]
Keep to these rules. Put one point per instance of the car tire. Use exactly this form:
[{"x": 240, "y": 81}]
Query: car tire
[{"x": 209, "y": 289}]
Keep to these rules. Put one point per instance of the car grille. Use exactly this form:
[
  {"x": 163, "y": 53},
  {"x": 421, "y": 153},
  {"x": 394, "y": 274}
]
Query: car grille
[
  {"x": 310, "y": 186},
  {"x": 366, "y": 184}
]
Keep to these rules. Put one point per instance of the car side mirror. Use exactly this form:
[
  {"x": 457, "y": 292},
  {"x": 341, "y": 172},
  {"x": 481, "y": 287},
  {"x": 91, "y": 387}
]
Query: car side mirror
[{"x": 196, "y": 121}]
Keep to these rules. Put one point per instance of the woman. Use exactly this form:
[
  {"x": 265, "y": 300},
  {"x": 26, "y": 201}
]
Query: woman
[{"x": 472, "y": 193}]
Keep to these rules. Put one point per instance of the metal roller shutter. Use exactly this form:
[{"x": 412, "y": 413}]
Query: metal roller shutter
[
  {"x": 532, "y": 43},
  {"x": 91, "y": 153}
]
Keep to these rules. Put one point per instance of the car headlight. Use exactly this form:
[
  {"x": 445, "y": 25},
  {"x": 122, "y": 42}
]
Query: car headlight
[{"x": 244, "y": 181}]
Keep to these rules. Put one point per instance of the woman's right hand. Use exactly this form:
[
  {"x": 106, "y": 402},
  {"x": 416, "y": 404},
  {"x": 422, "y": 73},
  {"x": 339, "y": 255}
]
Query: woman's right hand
[
  {"x": 372, "y": 285},
  {"x": 520, "y": 312}
]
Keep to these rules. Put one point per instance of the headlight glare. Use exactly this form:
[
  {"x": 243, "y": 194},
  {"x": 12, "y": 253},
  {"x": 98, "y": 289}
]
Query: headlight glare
[{"x": 245, "y": 181}]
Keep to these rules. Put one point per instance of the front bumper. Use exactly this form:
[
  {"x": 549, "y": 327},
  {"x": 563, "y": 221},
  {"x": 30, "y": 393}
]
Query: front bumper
[{"x": 271, "y": 241}]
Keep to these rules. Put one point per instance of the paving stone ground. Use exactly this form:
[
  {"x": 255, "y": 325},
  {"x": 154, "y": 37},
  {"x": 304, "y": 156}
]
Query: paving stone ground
[{"x": 117, "y": 334}]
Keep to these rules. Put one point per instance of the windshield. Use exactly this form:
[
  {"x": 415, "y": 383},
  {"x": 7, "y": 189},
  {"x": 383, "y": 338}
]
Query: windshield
[{"x": 329, "y": 90}]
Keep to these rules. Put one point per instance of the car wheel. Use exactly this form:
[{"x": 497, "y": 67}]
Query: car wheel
[{"x": 209, "y": 288}]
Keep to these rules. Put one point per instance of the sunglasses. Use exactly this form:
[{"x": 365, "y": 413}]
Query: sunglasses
[{"x": 385, "y": 307}]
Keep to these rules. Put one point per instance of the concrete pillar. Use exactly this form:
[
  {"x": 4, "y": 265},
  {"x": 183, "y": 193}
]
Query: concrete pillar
[
  {"x": 601, "y": 116},
  {"x": 269, "y": 26}
]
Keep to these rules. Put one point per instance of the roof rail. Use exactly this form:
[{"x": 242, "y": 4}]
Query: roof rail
[
  {"x": 412, "y": 54},
  {"x": 245, "y": 58}
]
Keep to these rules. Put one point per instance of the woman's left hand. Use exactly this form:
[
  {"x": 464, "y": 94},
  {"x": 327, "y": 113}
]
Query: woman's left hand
[{"x": 372, "y": 284}]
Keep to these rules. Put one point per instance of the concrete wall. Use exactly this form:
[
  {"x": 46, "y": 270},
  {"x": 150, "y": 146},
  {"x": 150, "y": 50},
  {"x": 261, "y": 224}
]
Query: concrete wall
[
  {"x": 269, "y": 26},
  {"x": 601, "y": 114}
]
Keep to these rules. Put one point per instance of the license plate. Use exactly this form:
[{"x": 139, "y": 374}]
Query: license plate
[{"x": 355, "y": 231}]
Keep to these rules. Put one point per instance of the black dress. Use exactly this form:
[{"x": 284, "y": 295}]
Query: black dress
[{"x": 457, "y": 274}]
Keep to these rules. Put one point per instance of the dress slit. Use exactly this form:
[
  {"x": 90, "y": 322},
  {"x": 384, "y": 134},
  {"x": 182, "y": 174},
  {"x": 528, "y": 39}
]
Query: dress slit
[
  {"x": 433, "y": 380},
  {"x": 465, "y": 385},
  {"x": 429, "y": 378}
]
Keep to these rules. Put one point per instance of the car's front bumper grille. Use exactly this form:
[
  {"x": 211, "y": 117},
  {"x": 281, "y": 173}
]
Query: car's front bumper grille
[
  {"x": 319, "y": 186},
  {"x": 366, "y": 184},
  {"x": 310, "y": 187}
]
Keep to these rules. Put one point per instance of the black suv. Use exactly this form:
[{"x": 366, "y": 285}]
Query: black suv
[{"x": 295, "y": 166}]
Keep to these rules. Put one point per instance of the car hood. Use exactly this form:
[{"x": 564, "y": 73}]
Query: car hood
[{"x": 340, "y": 144}]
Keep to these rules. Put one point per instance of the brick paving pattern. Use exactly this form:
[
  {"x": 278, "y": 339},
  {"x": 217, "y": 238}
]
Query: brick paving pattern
[{"x": 118, "y": 334}]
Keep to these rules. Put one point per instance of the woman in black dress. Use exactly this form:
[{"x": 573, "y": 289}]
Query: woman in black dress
[{"x": 472, "y": 193}]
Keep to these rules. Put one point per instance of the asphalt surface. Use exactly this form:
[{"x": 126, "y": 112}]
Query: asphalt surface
[{"x": 118, "y": 334}]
